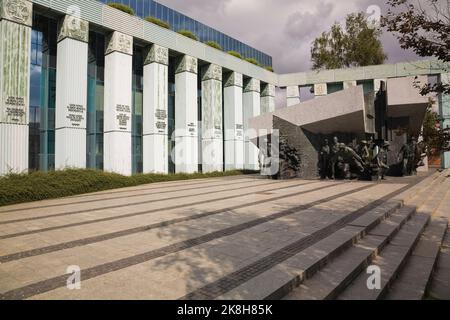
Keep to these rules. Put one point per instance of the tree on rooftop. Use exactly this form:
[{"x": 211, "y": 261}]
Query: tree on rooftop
[
  {"x": 354, "y": 45},
  {"x": 425, "y": 29}
]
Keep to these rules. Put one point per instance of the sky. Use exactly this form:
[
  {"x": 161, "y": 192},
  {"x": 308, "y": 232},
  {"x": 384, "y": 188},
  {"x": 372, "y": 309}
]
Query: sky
[{"x": 285, "y": 29}]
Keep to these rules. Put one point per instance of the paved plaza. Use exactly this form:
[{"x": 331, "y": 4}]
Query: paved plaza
[{"x": 197, "y": 239}]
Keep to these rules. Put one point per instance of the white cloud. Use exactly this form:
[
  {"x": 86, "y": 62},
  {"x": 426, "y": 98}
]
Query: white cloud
[{"x": 283, "y": 29}]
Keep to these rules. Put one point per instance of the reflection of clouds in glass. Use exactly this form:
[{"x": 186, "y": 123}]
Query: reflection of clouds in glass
[{"x": 35, "y": 85}]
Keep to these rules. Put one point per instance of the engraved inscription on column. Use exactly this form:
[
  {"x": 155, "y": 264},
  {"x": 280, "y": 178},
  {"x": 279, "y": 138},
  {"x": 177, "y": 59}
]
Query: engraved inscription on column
[
  {"x": 15, "y": 110},
  {"x": 123, "y": 116},
  {"x": 161, "y": 120},
  {"x": 192, "y": 128},
  {"x": 75, "y": 115}
]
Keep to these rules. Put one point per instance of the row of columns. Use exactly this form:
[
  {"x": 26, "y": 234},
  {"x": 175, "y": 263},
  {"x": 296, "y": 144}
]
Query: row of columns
[{"x": 240, "y": 101}]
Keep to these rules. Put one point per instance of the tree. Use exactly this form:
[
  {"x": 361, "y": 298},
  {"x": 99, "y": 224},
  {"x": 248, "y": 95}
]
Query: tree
[
  {"x": 425, "y": 29},
  {"x": 435, "y": 138},
  {"x": 357, "y": 45}
]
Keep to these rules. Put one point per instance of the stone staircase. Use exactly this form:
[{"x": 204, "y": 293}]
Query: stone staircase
[{"x": 405, "y": 238}]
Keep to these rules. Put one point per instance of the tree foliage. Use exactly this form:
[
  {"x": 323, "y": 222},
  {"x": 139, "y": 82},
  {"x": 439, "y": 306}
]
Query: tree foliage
[
  {"x": 436, "y": 138},
  {"x": 356, "y": 44},
  {"x": 423, "y": 28}
]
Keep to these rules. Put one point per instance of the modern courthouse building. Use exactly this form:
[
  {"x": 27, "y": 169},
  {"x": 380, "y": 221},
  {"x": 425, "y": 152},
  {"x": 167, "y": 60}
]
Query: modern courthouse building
[{"x": 85, "y": 85}]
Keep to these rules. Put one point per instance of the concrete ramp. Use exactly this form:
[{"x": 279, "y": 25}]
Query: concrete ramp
[
  {"x": 405, "y": 101},
  {"x": 344, "y": 111}
]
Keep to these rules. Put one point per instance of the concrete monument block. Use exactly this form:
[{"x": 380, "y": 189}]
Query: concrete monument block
[
  {"x": 292, "y": 95},
  {"x": 267, "y": 98}
]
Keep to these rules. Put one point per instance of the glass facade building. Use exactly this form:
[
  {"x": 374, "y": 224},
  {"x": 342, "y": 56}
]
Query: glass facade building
[
  {"x": 42, "y": 93},
  {"x": 178, "y": 21}
]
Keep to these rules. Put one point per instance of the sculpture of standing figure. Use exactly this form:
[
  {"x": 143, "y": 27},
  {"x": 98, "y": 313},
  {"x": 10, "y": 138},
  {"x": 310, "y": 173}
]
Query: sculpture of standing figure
[
  {"x": 364, "y": 151},
  {"x": 333, "y": 157},
  {"x": 382, "y": 160},
  {"x": 324, "y": 160},
  {"x": 407, "y": 157}
]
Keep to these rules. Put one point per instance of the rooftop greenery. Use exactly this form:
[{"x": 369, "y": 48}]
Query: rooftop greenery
[
  {"x": 214, "y": 45},
  {"x": 121, "y": 7},
  {"x": 235, "y": 54},
  {"x": 188, "y": 34},
  {"x": 158, "y": 22}
]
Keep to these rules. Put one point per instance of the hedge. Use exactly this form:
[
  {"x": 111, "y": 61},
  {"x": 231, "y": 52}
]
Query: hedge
[{"x": 38, "y": 185}]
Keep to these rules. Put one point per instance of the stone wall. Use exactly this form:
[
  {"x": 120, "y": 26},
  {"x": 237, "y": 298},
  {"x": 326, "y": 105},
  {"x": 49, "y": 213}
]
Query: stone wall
[{"x": 306, "y": 145}]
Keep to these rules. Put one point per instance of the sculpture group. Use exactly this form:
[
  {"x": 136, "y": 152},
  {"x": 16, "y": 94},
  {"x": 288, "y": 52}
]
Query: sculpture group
[{"x": 367, "y": 159}]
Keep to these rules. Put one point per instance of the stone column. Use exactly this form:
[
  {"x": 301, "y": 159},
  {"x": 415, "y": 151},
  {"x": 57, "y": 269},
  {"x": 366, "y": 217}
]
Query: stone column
[
  {"x": 444, "y": 110},
  {"x": 16, "y": 18},
  {"x": 268, "y": 98},
  {"x": 320, "y": 90},
  {"x": 185, "y": 153},
  {"x": 292, "y": 95},
  {"x": 349, "y": 84},
  {"x": 252, "y": 108},
  {"x": 155, "y": 110},
  {"x": 377, "y": 84},
  {"x": 212, "y": 136},
  {"x": 234, "y": 130},
  {"x": 71, "y": 93},
  {"x": 118, "y": 103}
]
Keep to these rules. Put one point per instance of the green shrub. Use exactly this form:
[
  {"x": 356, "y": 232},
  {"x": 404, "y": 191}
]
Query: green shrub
[
  {"x": 252, "y": 61},
  {"x": 121, "y": 7},
  {"x": 214, "y": 45},
  {"x": 236, "y": 54},
  {"x": 158, "y": 22},
  {"x": 33, "y": 186},
  {"x": 188, "y": 34},
  {"x": 268, "y": 68}
]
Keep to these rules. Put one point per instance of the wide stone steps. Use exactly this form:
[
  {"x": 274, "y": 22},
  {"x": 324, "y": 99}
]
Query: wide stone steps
[
  {"x": 407, "y": 262},
  {"x": 440, "y": 282},
  {"x": 390, "y": 261},
  {"x": 332, "y": 279},
  {"x": 415, "y": 280},
  {"x": 278, "y": 281}
]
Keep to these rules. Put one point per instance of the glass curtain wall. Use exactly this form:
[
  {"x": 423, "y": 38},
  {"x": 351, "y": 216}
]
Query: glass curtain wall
[
  {"x": 96, "y": 73},
  {"x": 178, "y": 21},
  {"x": 136, "y": 123},
  {"x": 42, "y": 93}
]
